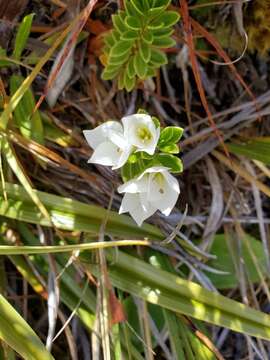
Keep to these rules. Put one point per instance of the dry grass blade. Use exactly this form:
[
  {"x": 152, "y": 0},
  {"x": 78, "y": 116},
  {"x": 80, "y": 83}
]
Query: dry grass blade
[
  {"x": 63, "y": 65},
  {"x": 196, "y": 71},
  {"x": 238, "y": 169}
]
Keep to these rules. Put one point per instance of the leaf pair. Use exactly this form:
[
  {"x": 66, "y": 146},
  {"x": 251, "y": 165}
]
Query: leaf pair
[{"x": 133, "y": 48}]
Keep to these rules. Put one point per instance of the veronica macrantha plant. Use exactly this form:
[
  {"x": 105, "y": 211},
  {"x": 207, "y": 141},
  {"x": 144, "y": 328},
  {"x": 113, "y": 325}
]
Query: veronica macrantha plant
[{"x": 146, "y": 156}]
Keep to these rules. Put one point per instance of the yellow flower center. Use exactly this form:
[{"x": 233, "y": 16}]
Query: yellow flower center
[{"x": 144, "y": 134}]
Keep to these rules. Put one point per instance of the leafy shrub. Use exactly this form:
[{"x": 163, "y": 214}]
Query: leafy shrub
[{"x": 133, "y": 49}]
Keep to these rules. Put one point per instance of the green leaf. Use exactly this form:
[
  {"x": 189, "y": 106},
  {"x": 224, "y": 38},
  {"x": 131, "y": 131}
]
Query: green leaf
[
  {"x": 133, "y": 23},
  {"x": 170, "y": 135},
  {"x": 147, "y": 37},
  {"x": 160, "y": 33},
  {"x": 69, "y": 214},
  {"x": 5, "y": 116},
  {"x": 15, "y": 331},
  {"x": 170, "y": 161},
  {"x": 118, "y": 60},
  {"x": 28, "y": 121},
  {"x": 164, "y": 3},
  {"x": 130, "y": 67},
  {"x": 145, "y": 52},
  {"x": 163, "y": 42},
  {"x": 137, "y": 7},
  {"x": 4, "y": 62},
  {"x": 183, "y": 296},
  {"x": 109, "y": 39},
  {"x": 136, "y": 165},
  {"x": 140, "y": 66},
  {"x": 130, "y": 35},
  {"x": 22, "y": 36},
  {"x": 121, "y": 81},
  {"x": 118, "y": 22},
  {"x": 129, "y": 82},
  {"x": 121, "y": 48},
  {"x": 225, "y": 261},
  {"x": 257, "y": 149},
  {"x": 170, "y": 149},
  {"x": 168, "y": 19},
  {"x": 158, "y": 58},
  {"x": 154, "y": 12},
  {"x": 109, "y": 75}
]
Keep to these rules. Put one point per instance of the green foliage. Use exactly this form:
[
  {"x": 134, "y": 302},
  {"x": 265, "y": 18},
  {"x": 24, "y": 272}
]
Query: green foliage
[
  {"x": 22, "y": 36},
  {"x": 18, "y": 334},
  {"x": 169, "y": 138},
  {"x": 28, "y": 121},
  {"x": 228, "y": 258},
  {"x": 133, "y": 48},
  {"x": 257, "y": 149}
]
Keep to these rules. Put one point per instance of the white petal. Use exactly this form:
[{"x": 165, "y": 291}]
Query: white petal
[
  {"x": 124, "y": 155},
  {"x": 166, "y": 202},
  {"x": 132, "y": 125},
  {"x": 131, "y": 203},
  {"x": 101, "y": 133},
  {"x": 118, "y": 139},
  {"x": 133, "y": 186},
  {"x": 172, "y": 181},
  {"x": 105, "y": 154}
]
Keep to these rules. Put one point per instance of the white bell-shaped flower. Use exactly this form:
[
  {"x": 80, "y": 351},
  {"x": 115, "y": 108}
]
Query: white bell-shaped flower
[
  {"x": 109, "y": 144},
  {"x": 141, "y": 132},
  {"x": 155, "y": 189}
]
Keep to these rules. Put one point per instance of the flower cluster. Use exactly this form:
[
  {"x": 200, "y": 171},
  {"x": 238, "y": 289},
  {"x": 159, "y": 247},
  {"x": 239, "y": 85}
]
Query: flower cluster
[{"x": 145, "y": 154}]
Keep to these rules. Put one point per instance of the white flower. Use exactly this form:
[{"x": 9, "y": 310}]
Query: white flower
[
  {"x": 110, "y": 146},
  {"x": 155, "y": 189},
  {"x": 140, "y": 131}
]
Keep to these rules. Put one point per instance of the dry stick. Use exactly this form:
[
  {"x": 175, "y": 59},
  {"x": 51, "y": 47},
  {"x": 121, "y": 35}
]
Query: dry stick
[
  {"x": 76, "y": 31},
  {"x": 196, "y": 71},
  {"x": 104, "y": 286}
]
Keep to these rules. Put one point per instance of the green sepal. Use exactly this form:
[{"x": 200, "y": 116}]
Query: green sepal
[
  {"x": 135, "y": 166},
  {"x": 142, "y": 111},
  {"x": 156, "y": 121}
]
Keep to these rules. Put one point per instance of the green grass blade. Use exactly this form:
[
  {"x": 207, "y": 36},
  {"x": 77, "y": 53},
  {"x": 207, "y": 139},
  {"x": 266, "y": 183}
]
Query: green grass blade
[
  {"x": 171, "y": 292},
  {"x": 257, "y": 149},
  {"x": 19, "y": 335},
  {"x": 22, "y": 36},
  {"x": 23, "y": 178},
  {"x": 28, "y": 121},
  {"x": 69, "y": 214},
  {"x": 19, "y": 250}
]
